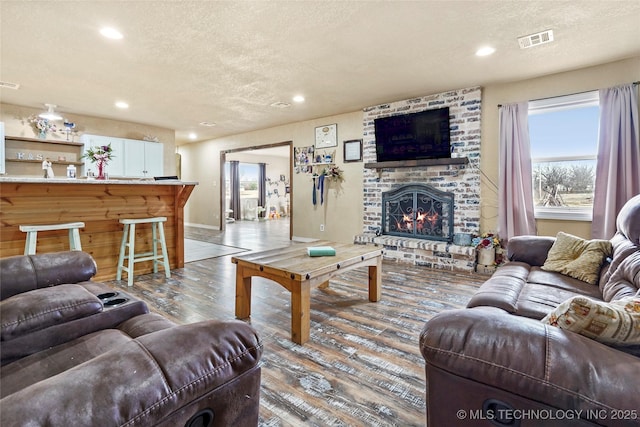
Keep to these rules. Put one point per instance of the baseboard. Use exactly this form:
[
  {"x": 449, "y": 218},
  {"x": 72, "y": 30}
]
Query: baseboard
[
  {"x": 303, "y": 239},
  {"x": 210, "y": 227}
]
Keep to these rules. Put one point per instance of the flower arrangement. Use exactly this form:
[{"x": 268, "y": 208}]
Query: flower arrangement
[
  {"x": 333, "y": 172},
  {"x": 100, "y": 154},
  {"x": 42, "y": 126},
  {"x": 486, "y": 240}
]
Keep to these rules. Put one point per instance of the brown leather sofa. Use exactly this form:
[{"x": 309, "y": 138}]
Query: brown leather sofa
[
  {"x": 79, "y": 353},
  {"x": 496, "y": 363}
]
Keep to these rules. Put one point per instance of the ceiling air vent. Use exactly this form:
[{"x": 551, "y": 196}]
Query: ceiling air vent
[
  {"x": 280, "y": 104},
  {"x": 9, "y": 85},
  {"x": 535, "y": 39}
]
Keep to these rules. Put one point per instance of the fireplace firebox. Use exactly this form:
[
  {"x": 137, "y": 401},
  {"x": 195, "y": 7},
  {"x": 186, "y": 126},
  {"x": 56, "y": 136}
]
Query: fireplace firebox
[{"x": 419, "y": 211}]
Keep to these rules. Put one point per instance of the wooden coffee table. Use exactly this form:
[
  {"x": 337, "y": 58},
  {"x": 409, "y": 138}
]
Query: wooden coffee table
[{"x": 297, "y": 272}]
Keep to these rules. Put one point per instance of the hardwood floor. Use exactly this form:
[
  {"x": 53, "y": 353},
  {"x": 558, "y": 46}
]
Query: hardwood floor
[{"x": 362, "y": 365}]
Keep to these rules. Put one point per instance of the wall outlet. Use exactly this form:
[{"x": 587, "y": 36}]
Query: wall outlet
[{"x": 321, "y": 227}]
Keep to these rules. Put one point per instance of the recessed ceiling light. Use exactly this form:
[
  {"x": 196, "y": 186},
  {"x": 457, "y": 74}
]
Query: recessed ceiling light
[
  {"x": 298, "y": 98},
  {"x": 111, "y": 33},
  {"x": 208, "y": 124},
  {"x": 122, "y": 104},
  {"x": 485, "y": 51},
  {"x": 192, "y": 135}
]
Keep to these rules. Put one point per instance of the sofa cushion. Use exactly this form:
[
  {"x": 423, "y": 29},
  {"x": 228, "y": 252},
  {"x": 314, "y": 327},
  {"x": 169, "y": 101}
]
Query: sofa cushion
[
  {"x": 616, "y": 322},
  {"x": 41, "y": 308},
  {"x": 577, "y": 258},
  {"x": 625, "y": 280}
]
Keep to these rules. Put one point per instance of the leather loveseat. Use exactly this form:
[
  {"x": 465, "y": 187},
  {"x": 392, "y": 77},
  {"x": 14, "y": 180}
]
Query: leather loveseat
[
  {"x": 79, "y": 353},
  {"x": 500, "y": 361}
]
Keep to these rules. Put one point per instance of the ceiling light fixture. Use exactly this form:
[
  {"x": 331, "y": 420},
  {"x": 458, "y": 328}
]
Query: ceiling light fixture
[
  {"x": 122, "y": 104},
  {"x": 298, "y": 98},
  {"x": 485, "y": 51},
  {"x": 208, "y": 124},
  {"x": 111, "y": 33},
  {"x": 50, "y": 114},
  {"x": 192, "y": 135}
]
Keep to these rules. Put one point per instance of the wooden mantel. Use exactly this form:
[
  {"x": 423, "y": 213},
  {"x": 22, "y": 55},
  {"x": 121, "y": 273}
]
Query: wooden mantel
[
  {"x": 100, "y": 205},
  {"x": 416, "y": 163}
]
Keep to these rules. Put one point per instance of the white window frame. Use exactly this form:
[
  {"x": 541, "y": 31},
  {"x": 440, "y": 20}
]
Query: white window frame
[{"x": 567, "y": 102}]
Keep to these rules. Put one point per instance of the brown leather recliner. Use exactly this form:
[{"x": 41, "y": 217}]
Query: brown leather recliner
[
  {"x": 77, "y": 352},
  {"x": 495, "y": 362}
]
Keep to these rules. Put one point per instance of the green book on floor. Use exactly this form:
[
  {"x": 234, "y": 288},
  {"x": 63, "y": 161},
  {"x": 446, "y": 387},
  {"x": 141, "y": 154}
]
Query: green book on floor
[{"x": 321, "y": 251}]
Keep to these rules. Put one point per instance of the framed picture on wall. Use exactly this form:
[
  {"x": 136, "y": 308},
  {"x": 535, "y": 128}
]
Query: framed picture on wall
[
  {"x": 353, "y": 150},
  {"x": 326, "y": 136}
]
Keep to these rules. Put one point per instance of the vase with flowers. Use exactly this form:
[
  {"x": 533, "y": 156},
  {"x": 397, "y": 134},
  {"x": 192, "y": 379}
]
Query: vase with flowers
[
  {"x": 42, "y": 126},
  {"x": 100, "y": 155},
  {"x": 486, "y": 245}
]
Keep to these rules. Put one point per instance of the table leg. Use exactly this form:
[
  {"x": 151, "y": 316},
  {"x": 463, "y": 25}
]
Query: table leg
[
  {"x": 300, "y": 312},
  {"x": 243, "y": 294},
  {"x": 375, "y": 280}
]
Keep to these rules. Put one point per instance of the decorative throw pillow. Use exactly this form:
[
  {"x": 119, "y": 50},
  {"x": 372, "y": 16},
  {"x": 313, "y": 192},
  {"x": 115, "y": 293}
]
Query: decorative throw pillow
[
  {"x": 616, "y": 322},
  {"x": 578, "y": 258}
]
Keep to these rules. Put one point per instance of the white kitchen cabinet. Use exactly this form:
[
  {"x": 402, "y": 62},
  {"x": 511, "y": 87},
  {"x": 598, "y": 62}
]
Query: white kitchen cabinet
[
  {"x": 115, "y": 167},
  {"x": 143, "y": 159},
  {"x": 132, "y": 158}
]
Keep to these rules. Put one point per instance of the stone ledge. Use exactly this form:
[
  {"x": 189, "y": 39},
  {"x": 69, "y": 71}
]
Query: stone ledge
[{"x": 412, "y": 243}]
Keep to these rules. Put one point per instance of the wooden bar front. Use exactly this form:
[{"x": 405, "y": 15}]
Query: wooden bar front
[{"x": 100, "y": 205}]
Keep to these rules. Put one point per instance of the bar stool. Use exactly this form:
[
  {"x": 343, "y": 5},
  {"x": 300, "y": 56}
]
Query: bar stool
[
  {"x": 32, "y": 235},
  {"x": 129, "y": 233}
]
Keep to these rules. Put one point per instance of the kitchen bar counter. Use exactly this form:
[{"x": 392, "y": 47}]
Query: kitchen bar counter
[{"x": 99, "y": 204}]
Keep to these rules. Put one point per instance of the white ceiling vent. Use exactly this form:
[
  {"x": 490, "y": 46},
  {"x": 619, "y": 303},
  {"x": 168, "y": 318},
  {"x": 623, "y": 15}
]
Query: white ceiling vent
[
  {"x": 9, "y": 85},
  {"x": 535, "y": 39},
  {"x": 280, "y": 104}
]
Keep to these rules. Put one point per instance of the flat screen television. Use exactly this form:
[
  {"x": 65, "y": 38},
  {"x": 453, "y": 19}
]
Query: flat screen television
[{"x": 421, "y": 135}]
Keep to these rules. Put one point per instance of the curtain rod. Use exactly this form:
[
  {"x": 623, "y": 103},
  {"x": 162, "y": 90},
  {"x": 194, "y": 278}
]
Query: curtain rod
[{"x": 576, "y": 93}]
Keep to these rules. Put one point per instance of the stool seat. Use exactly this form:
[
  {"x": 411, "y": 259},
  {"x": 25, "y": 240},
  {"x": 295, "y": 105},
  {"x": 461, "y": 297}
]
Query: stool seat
[
  {"x": 32, "y": 235},
  {"x": 127, "y": 247}
]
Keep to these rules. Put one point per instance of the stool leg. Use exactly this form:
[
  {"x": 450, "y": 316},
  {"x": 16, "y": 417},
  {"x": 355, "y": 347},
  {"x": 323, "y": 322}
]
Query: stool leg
[
  {"x": 154, "y": 241},
  {"x": 123, "y": 243},
  {"x": 30, "y": 243},
  {"x": 132, "y": 254},
  {"x": 74, "y": 239},
  {"x": 165, "y": 257}
]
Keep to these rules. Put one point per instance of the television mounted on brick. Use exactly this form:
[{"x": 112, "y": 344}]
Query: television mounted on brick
[{"x": 421, "y": 135}]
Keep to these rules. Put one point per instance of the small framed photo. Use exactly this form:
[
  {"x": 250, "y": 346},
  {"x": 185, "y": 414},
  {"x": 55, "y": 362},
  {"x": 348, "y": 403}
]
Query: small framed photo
[
  {"x": 353, "y": 150},
  {"x": 326, "y": 136}
]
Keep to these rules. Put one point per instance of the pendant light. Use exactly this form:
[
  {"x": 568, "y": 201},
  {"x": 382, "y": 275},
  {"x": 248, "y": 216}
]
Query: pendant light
[{"x": 50, "y": 114}]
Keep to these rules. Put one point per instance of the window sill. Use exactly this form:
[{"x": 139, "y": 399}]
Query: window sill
[{"x": 566, "y": 214}]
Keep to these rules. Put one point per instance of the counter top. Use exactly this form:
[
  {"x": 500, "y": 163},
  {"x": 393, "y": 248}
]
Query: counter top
[{"x": 63, "y": 180}]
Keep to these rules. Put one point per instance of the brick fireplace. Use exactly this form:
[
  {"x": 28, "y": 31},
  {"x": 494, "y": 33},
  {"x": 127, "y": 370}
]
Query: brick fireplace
[{"x": 459, "y": 179}]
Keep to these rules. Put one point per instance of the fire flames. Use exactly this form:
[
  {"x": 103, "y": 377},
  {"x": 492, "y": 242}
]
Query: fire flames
[{"x": 421, "y": 219}]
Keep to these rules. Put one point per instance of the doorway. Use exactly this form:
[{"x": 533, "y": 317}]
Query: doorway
[{"x": 242, "y": 202}]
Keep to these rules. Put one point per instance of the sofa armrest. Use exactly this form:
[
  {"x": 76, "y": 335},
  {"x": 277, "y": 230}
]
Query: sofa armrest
[
  {"x": 526, "y": 358},
  {"x": 148, "y": 380},
  {"x": 39, "y": 309},
  {"x": 531, "y": 250},
  {"x": 24, "y": 273}
]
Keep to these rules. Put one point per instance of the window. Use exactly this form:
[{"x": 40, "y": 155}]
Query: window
[{"x": 564, "y": 141}]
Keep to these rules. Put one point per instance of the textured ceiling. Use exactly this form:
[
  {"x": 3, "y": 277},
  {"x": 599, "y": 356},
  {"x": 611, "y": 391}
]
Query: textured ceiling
[{"x": 184, "y": 62}]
